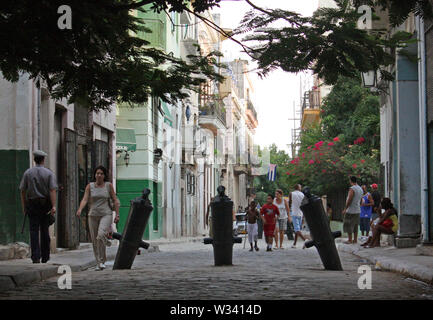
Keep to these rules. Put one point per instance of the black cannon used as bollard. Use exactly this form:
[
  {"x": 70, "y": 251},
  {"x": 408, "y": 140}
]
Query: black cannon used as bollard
[
  {"x": 322, "y": 237},
  {"x": 131, "y": 239},
  {"x": 143, "y": 244},
  {"x": 222, "y": 225}
]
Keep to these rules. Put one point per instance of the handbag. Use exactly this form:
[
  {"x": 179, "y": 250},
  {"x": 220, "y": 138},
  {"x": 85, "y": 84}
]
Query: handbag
[
  {"x": 51, "y": 219},
  {"x": 110, "y": 201},
  {"x": 387, "y": 223}
]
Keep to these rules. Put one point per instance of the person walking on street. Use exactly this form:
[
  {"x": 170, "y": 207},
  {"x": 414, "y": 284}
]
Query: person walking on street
[
  {"x": 98, "y": 194},
  {"x": 283, "y": 207},
  {"x": 367, "y": 204},
  {"x": 352, "y": 211},
  {"x": 295, "y": 198},
  {"x": 38, "y": 199},
  {"x": 276, "y": 233},
  {"x": 269, "y": 213},
  {"x": 252, "y": 228}
]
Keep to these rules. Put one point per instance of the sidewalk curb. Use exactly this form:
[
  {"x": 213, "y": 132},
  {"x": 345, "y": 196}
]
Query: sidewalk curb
[
  {"x": 408, "y": 269},
  {"x": 158, "y": 243},
  {"x": 31, "y": 273}
]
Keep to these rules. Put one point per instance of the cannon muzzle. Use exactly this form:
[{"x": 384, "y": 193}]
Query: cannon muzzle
[
  {"x": 336, "y": 234},
  {"x": 309, "y": 243},
  {"x": 207, "y": 240},
  {"x": 237, "y": 240},
  {"x": 143, "y": 244}
]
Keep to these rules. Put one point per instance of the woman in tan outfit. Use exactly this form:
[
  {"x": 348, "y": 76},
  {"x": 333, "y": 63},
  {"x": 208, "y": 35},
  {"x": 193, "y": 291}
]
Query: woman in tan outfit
[{"x": 98, "y": 194}]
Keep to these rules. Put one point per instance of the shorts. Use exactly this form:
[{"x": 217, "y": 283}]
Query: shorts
[
  {"x": 351, "y": 222},
  {"x": 297, "y": 223},
  {"x": 269, "y": 229},
  {"x": 282, "y": 224},
  {"x": 364, "y": 224}
]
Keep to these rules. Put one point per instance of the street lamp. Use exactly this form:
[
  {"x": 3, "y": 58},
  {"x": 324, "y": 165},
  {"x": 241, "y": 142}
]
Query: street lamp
[
  {"x": 369, "y": 79},
  {"x": 187, "y": 113},
  {"x": 126, "y": 158}
]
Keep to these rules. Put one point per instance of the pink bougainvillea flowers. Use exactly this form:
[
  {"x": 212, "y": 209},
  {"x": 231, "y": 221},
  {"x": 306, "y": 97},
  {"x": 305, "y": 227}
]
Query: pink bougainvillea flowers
[
  {"x": 318, "y": 145},
  {"x": 311, "y": 162},
  {"x": 360, "y": 140},
  {"x": 354, "y": 165},
  {"x": 362, "y": 161},
  {"x": 331, "y": 144},
  {"x": 336, "y": 139}
]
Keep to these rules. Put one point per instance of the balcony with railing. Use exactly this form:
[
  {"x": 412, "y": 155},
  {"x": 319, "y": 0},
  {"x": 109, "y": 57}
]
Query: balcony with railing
[
  {"x": 251, "y": 114},
  {"x": 310, "y": 108},
  {"x": 212, "y": 116}
]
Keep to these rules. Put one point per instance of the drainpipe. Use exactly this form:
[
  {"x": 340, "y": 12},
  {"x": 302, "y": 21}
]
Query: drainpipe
[
  {"x": 423, "y": 130},
  {"x": 38, "y": 87}
]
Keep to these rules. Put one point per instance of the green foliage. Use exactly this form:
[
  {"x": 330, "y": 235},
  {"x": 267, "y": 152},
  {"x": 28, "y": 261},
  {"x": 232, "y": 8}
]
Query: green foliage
[
  {"x": 398, "y": 11},
  {"x": 328, "y": 43},
  {"x": 282, "y": 181},
  {"x": 261, "y": 197},
  {"x": 352, "y": 111},
  {"x": 100, "y": 61},
  {"x": 346, "y": 142}
]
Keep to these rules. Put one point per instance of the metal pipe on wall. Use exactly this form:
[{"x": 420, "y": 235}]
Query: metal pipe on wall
[
  {"x": 38, "y": 87},
  {"x": 423, "y": 129}
]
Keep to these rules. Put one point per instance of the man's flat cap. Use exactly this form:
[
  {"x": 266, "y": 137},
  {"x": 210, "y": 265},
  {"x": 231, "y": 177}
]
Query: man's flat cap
[{"x": 39, "y": 153}]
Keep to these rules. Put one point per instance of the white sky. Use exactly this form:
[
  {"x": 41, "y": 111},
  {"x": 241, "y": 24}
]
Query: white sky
[{"x": 275, "y": 95}]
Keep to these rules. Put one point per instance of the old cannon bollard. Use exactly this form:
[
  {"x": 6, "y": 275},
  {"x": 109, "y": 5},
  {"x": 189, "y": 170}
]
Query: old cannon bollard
[
  {"x": 131, "y": 240},
  {"x": 143, "y": 244},
  {"x": 322, "y": 236},
  {"x": 222, "y": 225}
]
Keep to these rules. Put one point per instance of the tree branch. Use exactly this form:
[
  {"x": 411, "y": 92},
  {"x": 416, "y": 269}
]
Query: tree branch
[
  {"x": 222, "y": 32},
  {"x": 134, "y": 5},
  {"x": 272, "y": 14}
]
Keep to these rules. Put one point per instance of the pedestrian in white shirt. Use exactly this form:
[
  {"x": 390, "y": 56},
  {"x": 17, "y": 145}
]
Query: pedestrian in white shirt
[
  {"x": 295, "y": 199},
  {"x": 283, "y": 206}
]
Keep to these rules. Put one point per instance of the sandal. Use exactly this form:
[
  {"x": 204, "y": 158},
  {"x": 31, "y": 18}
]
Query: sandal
[{"x": 347, "y": 242}]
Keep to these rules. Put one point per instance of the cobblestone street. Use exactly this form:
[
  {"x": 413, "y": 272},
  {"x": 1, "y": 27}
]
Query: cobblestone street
[{"x": 186, "y": 271}]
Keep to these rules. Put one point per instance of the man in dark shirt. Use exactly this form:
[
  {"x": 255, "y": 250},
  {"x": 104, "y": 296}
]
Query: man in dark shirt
[
  {"x": 38, "y": 199},
  {"x": 376, "y": 198}
]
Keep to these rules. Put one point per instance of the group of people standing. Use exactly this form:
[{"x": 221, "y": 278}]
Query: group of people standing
[
  {"x": 275, "y": 214},
  {"x": 38, "y": 198},
  {"x": 363, "y": 210}
]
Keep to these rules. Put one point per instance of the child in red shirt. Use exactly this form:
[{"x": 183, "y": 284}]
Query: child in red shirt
[{"x": 269, "y": 213}]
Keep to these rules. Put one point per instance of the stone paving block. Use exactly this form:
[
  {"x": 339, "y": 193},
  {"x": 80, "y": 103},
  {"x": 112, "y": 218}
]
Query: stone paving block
[
  {"x": 394, "y": 259},
  {"x": 6, "y": 283},
  {"x": 29, "y": 276},
  {"x": 424, "y": 250},
  {"x": 186, "y": 271},
  {"x": 49, "y": 272},
  {"x": 6, "y": 252}
]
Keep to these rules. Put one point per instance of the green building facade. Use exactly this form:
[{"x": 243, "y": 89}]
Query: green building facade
[{"x": 144, "y": 124}]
